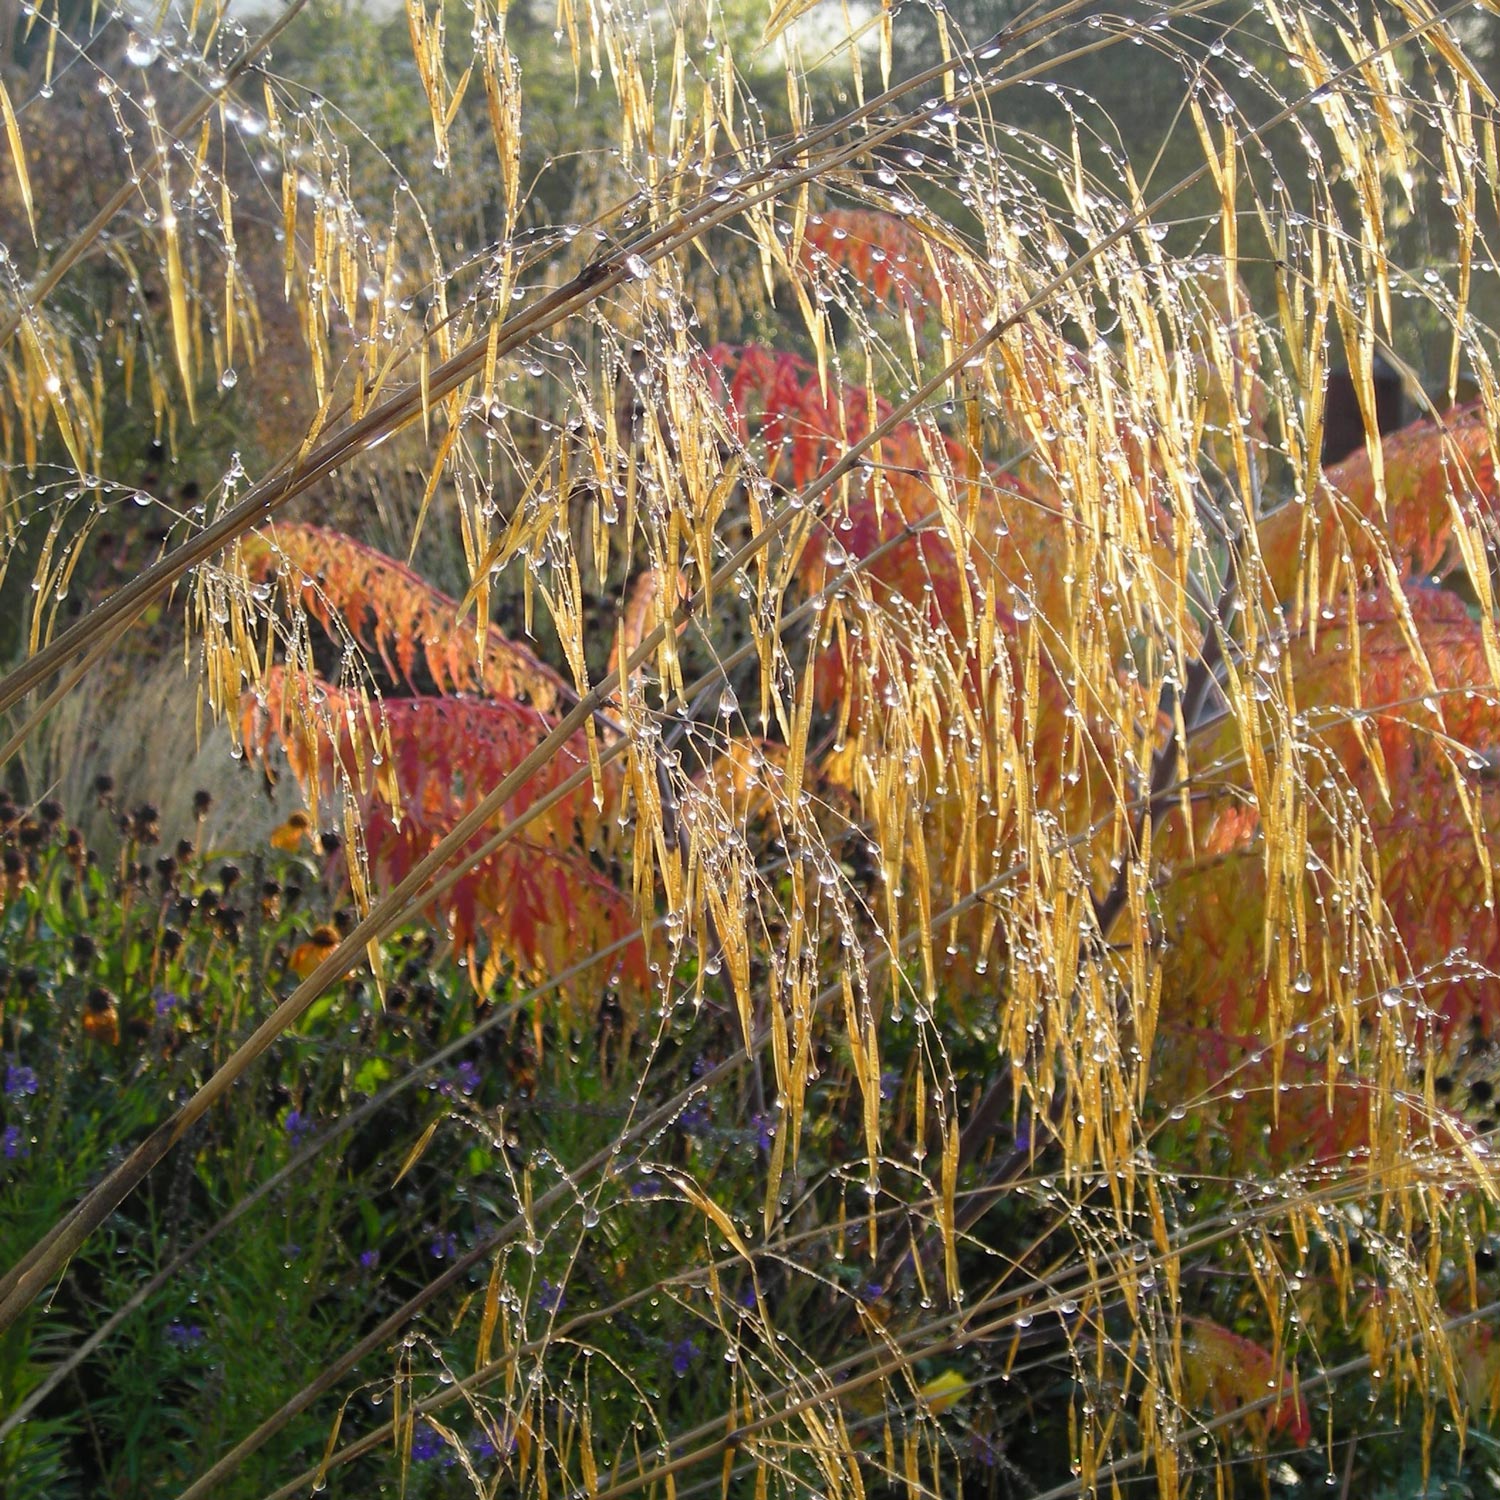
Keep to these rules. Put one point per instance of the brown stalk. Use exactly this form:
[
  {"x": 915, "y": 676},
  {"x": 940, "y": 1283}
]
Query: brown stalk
[
  {"x": 657, "y": 1118},
  {"x": 602, "y": 275},
  {"x": 26, "y": 1280},
  {"x": 23, "y": 1282},
  {"x": 436, "y": 892}
]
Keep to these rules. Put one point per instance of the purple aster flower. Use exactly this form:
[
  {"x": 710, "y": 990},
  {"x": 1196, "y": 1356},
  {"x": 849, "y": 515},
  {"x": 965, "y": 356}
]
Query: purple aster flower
[
  {"x": 14, "y": 1144},
  {"x": 984, "y": 1451},
  {"x": 19, "y": 1080},
  {"x": 871, "y": 1291},
  {"x": 683, "y": 1356},
  {"x": 426, "y": 1445},
  {"x": 469, "y": 1078},
  {"x": 166, "y": 1002},
  {"x": 765, "y": 1130},
  {"x": 369, "y": 1259},
  {"x": 550, "y": 1298},
  {"x": 443, "y": 1246},
  {"x": 297, "y": 1126},
  {"x": 183, "y": 1335},
  {"x": 693, "y": 1119}
]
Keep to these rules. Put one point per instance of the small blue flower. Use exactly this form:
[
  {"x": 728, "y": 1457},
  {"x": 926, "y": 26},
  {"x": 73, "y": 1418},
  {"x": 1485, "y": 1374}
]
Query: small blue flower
[
  {"x": 20, "y": 1080},
  {"x": 184, "y": 1335},
  {"x": 469, "y": 1078},
  {"x": 14, "y": 1144},
  {"x": 647, "y": 1187},
  {"x": 166, "y": 1002},
  {"x": 693, "y": 1119},
  {"x": 890, "y": 1085},
  {"x": 369, "y": 1259},
  {"x": 683, "y": 1356},
  {"x": 550, "y": 1298},
  {"x": 297, "y": 1126},
  {"x": 443, "y": 1247},
  {"x": 426, "y": 1445},
  {"x": 765, "y": 1130},
  {"x": 871, "y": 1291}
]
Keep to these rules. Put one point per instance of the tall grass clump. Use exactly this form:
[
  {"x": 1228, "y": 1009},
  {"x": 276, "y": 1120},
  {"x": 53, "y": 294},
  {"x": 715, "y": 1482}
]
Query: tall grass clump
[{"x": 896, "y": 881}]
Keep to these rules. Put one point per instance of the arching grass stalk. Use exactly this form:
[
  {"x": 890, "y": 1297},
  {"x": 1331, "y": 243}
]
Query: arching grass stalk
[
  {"x": 1318, "y": 1380},
  {"x": 407, "y": 405},
  {"x": 972, "y": 1325},
  {"x": 544, "y": 1203},
  {"x": 855, "y": 1373},
  {"x": 46, "y": 1259},
  {"x": 789, "y": 621},
  {"x": 48, "y": 281}
]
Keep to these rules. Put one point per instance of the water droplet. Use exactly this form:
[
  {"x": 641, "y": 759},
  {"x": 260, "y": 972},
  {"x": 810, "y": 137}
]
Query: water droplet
[{"x": 142, "y": 51}]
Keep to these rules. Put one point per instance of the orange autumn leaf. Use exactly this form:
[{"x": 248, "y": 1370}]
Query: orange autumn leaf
[
  {"x": 1222, "y": 1372},
  {"x": 395, "y": 614},
  {"x": 1401, "y": 751},
  {"x": 1439, "y": 474},
  {"x": 415, "y": 767}
]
